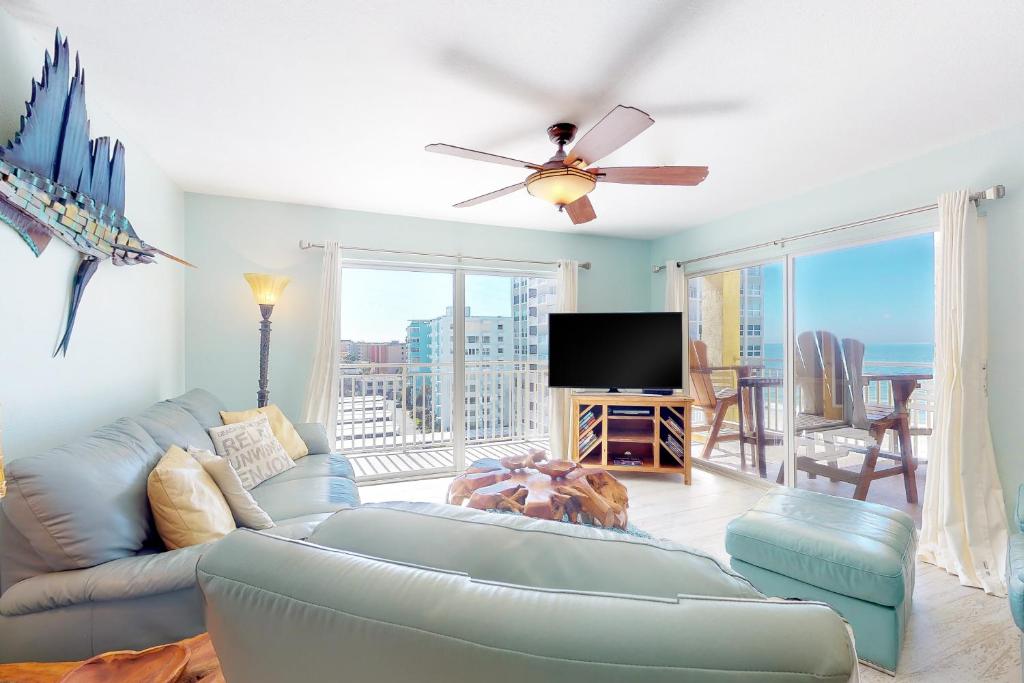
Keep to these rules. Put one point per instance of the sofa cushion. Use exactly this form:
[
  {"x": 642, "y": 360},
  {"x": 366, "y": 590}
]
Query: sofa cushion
[
  {"x": 243, "y": 506},
  {"x": 846, "y": 546},
  {"x": 187, "y": 504},
  {"x": 171, "y": 425},
  {"x": 85, "y": 503},
  {"x": 320, "y": 465},
  {"x": 279, "y": 424},
  {"x": 18, "y": 559},
  {"x": 528, "y": 552},
  {"x": 298, "y": 497},
  {"x": 252, "y": 449},
  {"x": 203, "y": 406}
]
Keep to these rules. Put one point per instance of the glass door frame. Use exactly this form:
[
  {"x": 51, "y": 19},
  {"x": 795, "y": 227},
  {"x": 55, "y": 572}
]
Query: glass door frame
[
  {"x": 788, "y": 260},
  {"x": 458, "y": 273}
]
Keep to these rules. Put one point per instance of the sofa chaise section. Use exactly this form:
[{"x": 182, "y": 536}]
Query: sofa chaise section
[{"x": 318, "y": 613}]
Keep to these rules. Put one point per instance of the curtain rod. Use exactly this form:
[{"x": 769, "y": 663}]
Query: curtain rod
[
  {"x": 994, "y": 192},
  {"x": 303, "y": 244}
]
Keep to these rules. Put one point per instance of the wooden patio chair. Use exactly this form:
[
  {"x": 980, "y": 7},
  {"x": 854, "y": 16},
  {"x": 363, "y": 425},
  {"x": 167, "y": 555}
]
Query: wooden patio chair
[
  {"x": 830, "y": 378},
  {"x": 713, "y": 401}
]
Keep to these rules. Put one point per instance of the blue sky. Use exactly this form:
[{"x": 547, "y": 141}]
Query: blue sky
[
  {"x": 376, "y": 305},
  {"x": 881, "y": 293}
]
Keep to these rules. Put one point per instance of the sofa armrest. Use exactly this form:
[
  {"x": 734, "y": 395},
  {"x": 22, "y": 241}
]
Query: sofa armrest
[
  {"x": 1019, "y": 510},
  {"x": 315, "y": 436},
  {"x": 130, "y": 577},
  {"x": 1015, "y": 578}
]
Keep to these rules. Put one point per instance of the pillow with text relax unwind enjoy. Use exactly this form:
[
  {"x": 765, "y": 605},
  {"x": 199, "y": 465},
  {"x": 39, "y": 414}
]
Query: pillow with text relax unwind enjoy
[{"x": 252, "y": 449}]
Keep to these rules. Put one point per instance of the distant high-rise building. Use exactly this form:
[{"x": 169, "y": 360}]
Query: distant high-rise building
[
  {"x": 726, "y": 311},
  {"x": 533, "y": 298},
  {"x": 504, "y": 386}
]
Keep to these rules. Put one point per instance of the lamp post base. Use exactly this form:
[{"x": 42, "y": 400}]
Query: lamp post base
[{"x": 263, "y": 395}]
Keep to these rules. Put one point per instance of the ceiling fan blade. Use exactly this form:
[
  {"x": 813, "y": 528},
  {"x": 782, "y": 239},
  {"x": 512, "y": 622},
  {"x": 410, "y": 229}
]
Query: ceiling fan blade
[
  {"x": 581, "y": 210},
  {"x": 491, "y": 195},
  {"x": 652, "y": 175},
  {"x": 618, "y": 127},
  {"x": 478, "y": 156}
]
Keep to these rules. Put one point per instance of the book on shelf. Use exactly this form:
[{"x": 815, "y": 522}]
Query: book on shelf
[
  {"x": 627, "y": 461},
  {"x": 589, "y": 422},
  {"x": 673, "y": 424},
  {"x": 587, "y": 441},
  {"x": 673, "y": 445}
]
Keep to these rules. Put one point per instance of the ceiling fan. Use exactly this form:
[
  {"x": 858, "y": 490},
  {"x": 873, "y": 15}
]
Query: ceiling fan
[{"x": 565, "y": 180}]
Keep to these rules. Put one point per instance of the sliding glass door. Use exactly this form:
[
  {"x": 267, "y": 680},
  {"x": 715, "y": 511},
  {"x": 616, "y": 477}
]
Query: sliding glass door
[
  {"x": 816, "y": 371},
  {"x": 441, "y": 367},
  {"x": 396, "y": 391},
  {"x": 506, "y": 352},
  {"x": 863, "y": 326},
  {"x": 736, "y": 326}
]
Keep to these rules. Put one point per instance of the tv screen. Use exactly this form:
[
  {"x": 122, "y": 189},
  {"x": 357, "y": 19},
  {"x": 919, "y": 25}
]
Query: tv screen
[{"x": 616, "y": 350}]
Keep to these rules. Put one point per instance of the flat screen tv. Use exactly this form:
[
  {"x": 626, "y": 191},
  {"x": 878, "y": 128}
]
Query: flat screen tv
[{"x": 615, "y": 350}]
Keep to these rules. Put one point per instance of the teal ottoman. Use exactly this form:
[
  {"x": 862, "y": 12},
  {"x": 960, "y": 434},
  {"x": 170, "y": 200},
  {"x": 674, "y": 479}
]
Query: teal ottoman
[{"x": 858, "y": 557}]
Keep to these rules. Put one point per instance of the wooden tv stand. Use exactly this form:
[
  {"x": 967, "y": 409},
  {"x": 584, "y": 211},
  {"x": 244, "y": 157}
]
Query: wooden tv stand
[{"x": 651, "y": 431}]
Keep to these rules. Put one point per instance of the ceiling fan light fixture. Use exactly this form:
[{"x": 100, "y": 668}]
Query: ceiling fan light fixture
[{"x": 560, "y": 186}]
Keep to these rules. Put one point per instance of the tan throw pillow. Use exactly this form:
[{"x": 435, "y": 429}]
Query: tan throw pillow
[
  {"x": 187, "y": 505},
  {"x": 281, "y": 426},
  {"x": 252, "y": 449},
  {"x": 243, "y": 506}
]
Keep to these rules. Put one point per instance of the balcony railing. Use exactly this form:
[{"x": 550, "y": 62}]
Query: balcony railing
[{"x": 410, "y": 406}]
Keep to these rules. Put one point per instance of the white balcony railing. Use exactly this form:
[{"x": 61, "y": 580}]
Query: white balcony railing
[{"x": 410, "y": 406}]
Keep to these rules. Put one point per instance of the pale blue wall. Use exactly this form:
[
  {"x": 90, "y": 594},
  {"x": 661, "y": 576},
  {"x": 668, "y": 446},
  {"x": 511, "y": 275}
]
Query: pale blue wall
[
  {"x": 227, "y": 237},
  {"x": 127, "y": 350},
  {"x": 994, "y": 158}
]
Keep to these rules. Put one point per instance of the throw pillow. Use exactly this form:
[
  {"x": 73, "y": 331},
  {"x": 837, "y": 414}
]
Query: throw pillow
[
  {"x": 187, "y": 505},
  {"x": 243, "y": 506},
  {"x": 281, "y": 426},
  {"x": 252, "y": 449}
]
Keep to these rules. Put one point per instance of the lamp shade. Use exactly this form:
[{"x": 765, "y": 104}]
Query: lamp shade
[
  {"x": 560, "y": 186},
  {"x": 266, "y": 288}
]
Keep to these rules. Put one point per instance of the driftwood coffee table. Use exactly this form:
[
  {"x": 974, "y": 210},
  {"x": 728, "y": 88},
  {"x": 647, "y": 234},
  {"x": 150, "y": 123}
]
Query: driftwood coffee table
[{"x": 533, "y": 486}]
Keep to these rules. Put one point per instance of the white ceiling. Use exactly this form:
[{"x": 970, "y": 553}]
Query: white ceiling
[{"x": 330, "y": 102}]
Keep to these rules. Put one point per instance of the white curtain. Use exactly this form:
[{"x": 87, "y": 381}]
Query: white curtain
[
  {"x": 963, "y": 519},
  {"x": 677, "y": 297},
  {"x": 560, "y": 428},
  {"x": 322, "y": 392}
]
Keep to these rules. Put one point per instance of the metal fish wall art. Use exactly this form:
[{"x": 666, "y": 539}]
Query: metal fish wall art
[{"x": 57, "y": 182}]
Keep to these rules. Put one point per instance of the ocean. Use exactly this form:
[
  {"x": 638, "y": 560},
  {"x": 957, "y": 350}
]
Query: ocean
[{"x": 877, "y": 357}]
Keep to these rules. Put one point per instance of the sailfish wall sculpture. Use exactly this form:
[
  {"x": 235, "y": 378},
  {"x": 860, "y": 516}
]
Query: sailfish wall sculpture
[{"x": 57, "y": 182}]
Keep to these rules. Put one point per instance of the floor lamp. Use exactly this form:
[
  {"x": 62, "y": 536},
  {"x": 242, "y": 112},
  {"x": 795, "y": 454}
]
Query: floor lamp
[{"x": 267, "y": 290}]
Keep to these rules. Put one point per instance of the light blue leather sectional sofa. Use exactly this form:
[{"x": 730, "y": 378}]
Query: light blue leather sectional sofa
[
  {"x": 435, "y": 593},
  {"x": 82, "y": 569}
]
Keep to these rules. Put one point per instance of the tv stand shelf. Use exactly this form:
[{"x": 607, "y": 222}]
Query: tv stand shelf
[{"x": 633, "y": 432}]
